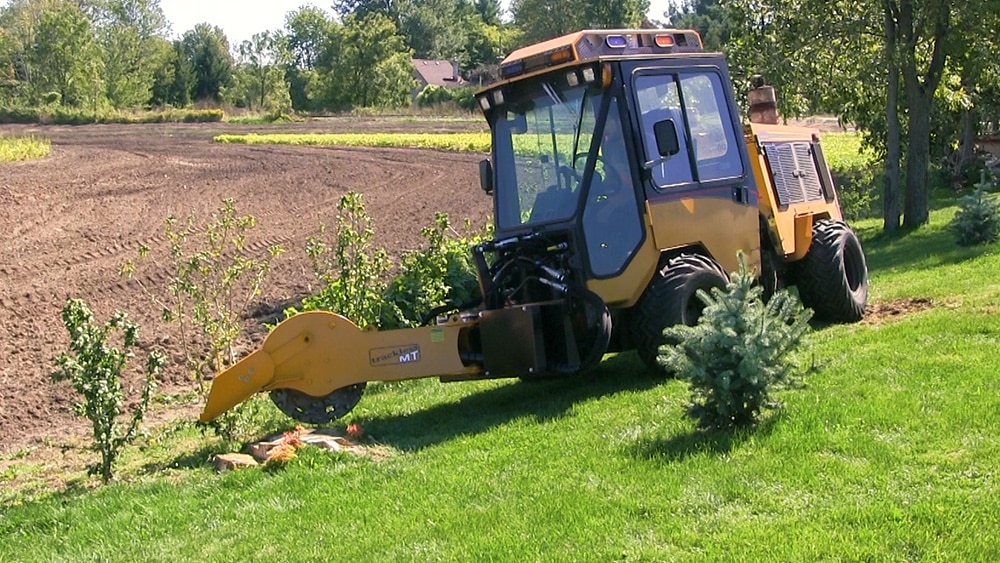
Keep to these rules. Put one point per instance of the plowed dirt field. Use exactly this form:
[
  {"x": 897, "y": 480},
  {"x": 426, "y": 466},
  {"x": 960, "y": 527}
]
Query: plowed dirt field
[{"x": 68, "y": 222}]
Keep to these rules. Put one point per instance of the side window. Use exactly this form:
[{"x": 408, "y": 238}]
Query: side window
[
  {"x": 612, "y": 226},
  {"x": 713, "y": 141},
  {"x": 659, "y": 99},
  {"x": 696, "y": 103}
]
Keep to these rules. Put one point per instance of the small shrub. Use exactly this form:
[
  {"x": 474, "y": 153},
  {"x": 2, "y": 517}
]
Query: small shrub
[
  {"x": 442, "y": 274},
  {"x": 210, "y": 290},
  {"x": 736, "y": 356},
  {"x": 352, "y": 272},
  {"x": 94, "y": 367},
  {"x": 978, "y": 218}
]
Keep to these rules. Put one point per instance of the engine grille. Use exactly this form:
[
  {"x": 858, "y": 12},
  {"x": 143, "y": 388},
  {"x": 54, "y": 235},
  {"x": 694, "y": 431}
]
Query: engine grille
[{"x": 793, "y": 171}]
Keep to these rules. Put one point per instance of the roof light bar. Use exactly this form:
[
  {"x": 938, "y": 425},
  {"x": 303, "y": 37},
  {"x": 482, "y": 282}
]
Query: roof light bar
[
  {"x": 590, "y": 45},
  {"x": 664, "y": 40},
  {"x": 561, "y": 55},
  {"x": 616, "y": 41},
  {"x": 512, "y": 69}
]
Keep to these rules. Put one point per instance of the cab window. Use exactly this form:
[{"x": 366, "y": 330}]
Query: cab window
[
  {"x": 612, "y": 224},
  {"x": 696, "y": 103}
]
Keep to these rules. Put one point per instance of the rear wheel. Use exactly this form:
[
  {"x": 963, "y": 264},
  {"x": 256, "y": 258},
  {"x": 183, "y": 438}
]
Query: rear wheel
[
  {"x": 833, "y": 277},
  {"x": 670, "y": 300},
  {"x": 317, "y": 410}
]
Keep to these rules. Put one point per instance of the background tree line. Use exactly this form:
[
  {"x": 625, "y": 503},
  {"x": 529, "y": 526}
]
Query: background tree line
[
  {"x": 94, "y": 54},
  {"x": 919, "y": 79}
]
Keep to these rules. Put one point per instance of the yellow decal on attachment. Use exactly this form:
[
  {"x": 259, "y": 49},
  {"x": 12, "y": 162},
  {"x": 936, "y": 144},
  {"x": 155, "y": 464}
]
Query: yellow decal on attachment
[
  {"x": 437, "y": 335},
  {"x": 394, "y": 356}
]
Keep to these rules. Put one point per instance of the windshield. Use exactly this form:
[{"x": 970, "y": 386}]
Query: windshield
[{"x": 542, "y": 138}]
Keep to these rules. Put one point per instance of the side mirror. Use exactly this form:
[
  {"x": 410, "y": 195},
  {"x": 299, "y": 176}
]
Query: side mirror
[
  {"x": 486, "y": 175},
  {"x": 518, "y": 123},
  {"x": 667, "y": 143}
]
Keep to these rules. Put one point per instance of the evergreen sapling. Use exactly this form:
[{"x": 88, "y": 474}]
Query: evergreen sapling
[{"x": 737, "y": 354}]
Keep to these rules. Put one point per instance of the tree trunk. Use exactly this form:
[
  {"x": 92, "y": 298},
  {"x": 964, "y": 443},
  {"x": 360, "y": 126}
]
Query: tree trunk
[
  {"x": 890, "y": 198},
  {"x": 916, "y": 203},
  {"x": 967, "y": 140},
  {"x": 919, "y": 97}
]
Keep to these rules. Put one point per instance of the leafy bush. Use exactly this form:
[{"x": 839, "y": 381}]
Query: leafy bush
[
  {"x": 210, "y": 290},
  {"x": 71, "y": 116},
  {"x": 736, "y": 355},
  {"x": 978, "y": 218},
  {"x": 442, "y": 274},
  {"x": 94, "y": 367},
  {"x": 352, "y": 271}
]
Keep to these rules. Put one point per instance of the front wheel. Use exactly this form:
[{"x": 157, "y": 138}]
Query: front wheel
[
  {"x": 833, "y": 277},
  {"x": 671, "y": 299}
]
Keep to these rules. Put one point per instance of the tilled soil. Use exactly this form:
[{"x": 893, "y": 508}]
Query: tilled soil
[{"x": 68, "y": 222}]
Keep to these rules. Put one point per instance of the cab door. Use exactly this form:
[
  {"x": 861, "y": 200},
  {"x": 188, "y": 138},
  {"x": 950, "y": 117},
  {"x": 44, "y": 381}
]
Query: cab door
[{"x": 704, "y": 195}]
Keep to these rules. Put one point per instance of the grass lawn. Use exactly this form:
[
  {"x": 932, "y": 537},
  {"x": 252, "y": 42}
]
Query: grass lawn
[{"x": 888, "y": 452}]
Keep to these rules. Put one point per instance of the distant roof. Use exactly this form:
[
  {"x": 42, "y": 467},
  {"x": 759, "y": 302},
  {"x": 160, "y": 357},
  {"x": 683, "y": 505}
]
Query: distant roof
[{"x": 438, "y": 73}]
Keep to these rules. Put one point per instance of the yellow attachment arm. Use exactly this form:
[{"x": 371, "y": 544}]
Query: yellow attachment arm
[{"x": 318, "y": 352}]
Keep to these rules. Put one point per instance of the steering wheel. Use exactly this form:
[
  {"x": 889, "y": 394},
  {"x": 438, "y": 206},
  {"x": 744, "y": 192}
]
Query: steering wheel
[
  {"x": 584, "y": 156},
  {"x": 610, "y": 171},
  {"x": 569, "y": 175}
]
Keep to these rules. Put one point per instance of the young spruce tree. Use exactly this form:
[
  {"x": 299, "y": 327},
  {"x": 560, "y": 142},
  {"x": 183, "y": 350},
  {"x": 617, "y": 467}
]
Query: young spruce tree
[
  {"x": 978, "y": 218},
  {"x": 737, "y": 354}
]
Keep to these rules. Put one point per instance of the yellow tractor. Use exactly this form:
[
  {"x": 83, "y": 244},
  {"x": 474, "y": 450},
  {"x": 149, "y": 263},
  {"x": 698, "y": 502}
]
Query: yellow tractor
[{"x": 623, "y": 180}]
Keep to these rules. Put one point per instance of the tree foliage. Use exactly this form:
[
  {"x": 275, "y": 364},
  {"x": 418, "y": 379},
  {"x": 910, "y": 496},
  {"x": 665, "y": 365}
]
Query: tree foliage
[
  {"x": 259, "y": 81},
  {"x": 52, "y": 54},
  {"x": 130, "y": 33},
  {"x": 206, "y": 49},
  {"x": 365, "y": 63},
  {"x": 539, "y": 20},
  {"x": 173, "y": 76},
  {"x": 901, "y": 70}
]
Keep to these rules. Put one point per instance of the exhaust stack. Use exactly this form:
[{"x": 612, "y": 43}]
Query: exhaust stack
[{"x": 763, "y": 102}]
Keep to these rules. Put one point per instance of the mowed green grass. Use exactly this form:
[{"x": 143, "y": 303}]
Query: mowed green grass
[
  {"x": 843, "y": 151},
  {"x": 13, "y": 149},
  {"x": 889, "y": 452}
]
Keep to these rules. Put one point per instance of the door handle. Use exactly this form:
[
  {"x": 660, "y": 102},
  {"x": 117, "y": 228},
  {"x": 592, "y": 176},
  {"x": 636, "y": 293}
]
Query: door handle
[{"x": 741, "y": 194}]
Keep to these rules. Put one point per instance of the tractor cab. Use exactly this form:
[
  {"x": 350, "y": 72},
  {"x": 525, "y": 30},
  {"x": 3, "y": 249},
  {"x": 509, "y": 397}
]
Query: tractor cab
[
  {"x": 561, "y": 165},
  {"x": 589, "y": 127}
]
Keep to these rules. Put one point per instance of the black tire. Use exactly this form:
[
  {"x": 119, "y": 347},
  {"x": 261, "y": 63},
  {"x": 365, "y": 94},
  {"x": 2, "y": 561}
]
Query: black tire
[
  {"x": 833, "y": 277},
  {"x": 670, "y": 300}
]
